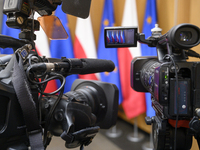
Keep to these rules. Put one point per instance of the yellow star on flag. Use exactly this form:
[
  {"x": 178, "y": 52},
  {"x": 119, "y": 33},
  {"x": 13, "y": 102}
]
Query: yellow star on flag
[
  {"x": 149, "y": 20},
  {"x": 115, "y": 70},
  {"x": 106, "y": 22},
  {"x": 107, "y": 73}
]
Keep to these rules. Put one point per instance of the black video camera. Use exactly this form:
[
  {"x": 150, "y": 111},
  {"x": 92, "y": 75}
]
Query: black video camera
[
  {"x": 172, "y": 81},
  {"x": 29, "y": 116}
]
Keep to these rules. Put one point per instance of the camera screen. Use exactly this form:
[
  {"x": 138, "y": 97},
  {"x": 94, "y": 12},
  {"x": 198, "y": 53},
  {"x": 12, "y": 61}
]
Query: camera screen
[{"x": 120, "y": 37}]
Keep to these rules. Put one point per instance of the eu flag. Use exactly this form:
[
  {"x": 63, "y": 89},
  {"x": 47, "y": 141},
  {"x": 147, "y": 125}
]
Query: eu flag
[
  {"x": 109, "y": 53},
  {"x": 63, "y": 48},
  {"x": 149, "y": 23},
  {"x": 9, "y": 32}
]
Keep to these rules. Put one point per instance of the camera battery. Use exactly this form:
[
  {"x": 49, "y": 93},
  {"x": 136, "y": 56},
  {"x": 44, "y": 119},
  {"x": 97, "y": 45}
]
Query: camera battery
[{"x": 179, "y": 98}]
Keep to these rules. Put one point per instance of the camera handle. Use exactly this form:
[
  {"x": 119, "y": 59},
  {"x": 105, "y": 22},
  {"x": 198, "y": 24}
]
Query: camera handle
[
  {"x": 10, "y": 42},
  {"x": 83, "y": 136},
  {"x": 68, "y": 114}
]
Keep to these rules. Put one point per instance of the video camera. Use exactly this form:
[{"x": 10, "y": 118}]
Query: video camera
[
  {"x": 29, "y": 116},
  {"x": 172, "y": 81}
]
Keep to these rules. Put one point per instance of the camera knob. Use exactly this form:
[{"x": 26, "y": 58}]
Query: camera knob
[
  {"x": 197, "y": 112},
  {"x": 59, "y": 115},
  {"x": 156, "y": 29},
  {"x": 149, "y": 120}
]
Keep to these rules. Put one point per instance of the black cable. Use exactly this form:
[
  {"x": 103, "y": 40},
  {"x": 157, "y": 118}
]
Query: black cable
[
  {"x": 61, "y": 89},
  {"x": 30, "y": 59},
  {"x": 30, "y": 63},
  {"x": 50, "y": 115},
  {"x": 40, "y": 108},
  {"x": 177, "y": 96},
  {"x": 56, "y": 76},
  {"x": 53, "y": 76},
  {"x": 45, "y": 81}
]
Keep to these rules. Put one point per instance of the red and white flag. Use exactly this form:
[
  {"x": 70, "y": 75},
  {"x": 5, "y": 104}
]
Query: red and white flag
[
  {"x": 42, "y": 47},
  {"x": 133, "y": 102},
  {"x": 84, "y": 44}
]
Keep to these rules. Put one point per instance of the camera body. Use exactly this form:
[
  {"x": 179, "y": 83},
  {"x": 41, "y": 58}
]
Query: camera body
[
  {"x": 90, "y": 96},
  {"x": 172, "y": 81},
  {"x": 157, "y": 74},
  {"x": 89, "y": 106},
  {"x": 158, "y": 78}
]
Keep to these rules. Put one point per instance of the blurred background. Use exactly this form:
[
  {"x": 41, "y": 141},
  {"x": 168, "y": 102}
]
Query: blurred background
[{"x": 145, "y": 13}]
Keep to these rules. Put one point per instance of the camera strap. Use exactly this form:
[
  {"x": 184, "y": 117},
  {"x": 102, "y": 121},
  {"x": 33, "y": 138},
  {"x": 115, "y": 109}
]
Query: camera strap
[{"x": 23, "y": 92}]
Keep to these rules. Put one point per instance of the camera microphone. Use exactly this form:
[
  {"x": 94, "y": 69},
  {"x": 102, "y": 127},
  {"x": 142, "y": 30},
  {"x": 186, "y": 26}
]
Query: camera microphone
[
  {"x": 75, "y": 66},
  {"x": 92, "y": 66}
]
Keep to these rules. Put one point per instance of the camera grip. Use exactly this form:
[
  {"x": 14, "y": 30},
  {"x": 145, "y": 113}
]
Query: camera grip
[{"x": 10, "y": 42}]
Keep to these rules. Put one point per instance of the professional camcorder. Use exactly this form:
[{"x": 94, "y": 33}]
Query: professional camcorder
[
  {"x": 173, "y": 82},
  {"x": 29, "y": 116}
]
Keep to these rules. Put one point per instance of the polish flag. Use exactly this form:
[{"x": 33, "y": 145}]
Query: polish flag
[
  {"x": 133, "y": 102},
  {"x": 42, "y": 47},
  {"x": 84, "y": 44}
]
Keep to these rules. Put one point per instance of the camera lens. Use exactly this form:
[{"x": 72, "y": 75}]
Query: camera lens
[{"x": 185, "y": 36}]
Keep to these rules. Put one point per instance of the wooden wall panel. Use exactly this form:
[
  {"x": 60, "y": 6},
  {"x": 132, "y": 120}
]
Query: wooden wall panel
[
  {"x": 194, "y": 19},
  {"x": 165, "y": 12},
  {"x": 183, "y": 11}
]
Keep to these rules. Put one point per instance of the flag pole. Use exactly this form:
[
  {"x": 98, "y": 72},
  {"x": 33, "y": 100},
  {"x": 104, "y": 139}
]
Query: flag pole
[
  {"x": 114, "y": 132},
  {"x": 175, "y": 11},
  {"x": 148, "y": 145},
  {"x": 135, "y": 136}
]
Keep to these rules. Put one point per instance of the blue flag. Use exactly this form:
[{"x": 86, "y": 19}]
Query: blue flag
[
  {"x": 63, "y": 48},
  {"x": 149, "y": 23},
  {"x": 9, "y": 32},
  {"x": 109, "y": 53}
]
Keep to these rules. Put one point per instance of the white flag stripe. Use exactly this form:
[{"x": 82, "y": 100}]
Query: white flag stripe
[
  {"x": 130, "y": 19},
  {"x": 85, "y": 35},
  {"x": 41, "y": 41}
]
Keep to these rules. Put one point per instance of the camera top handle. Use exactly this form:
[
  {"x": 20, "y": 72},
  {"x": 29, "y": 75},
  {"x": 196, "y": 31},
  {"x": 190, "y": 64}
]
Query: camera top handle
[{"x": 10, "y": 42}]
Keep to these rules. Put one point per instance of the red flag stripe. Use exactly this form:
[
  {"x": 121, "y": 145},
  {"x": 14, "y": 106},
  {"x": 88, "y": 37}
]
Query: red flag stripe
[
  {"x": 78, "y": 49},
  {"x": 133, "y": 102},
  {"x": 80, "y": 53},
  {"x": 37, "y": 49}
]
